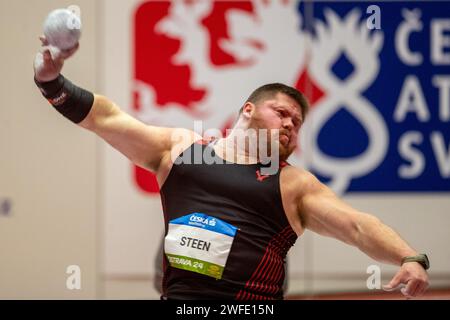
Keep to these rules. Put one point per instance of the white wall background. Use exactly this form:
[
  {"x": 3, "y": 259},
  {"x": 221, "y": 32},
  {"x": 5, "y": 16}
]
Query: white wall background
[{"x": 48, "y": 166}]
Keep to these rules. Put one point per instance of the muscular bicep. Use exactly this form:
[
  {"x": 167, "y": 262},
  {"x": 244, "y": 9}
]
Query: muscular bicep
[
  {"x": 324, "y": 213},
  {"x": 144, "y": 145}
]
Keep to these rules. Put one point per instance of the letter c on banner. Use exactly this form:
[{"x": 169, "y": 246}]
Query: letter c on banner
[{"x": 411, "y": 24}]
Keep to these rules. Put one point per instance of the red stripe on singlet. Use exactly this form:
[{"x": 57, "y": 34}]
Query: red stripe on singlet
[
  {"x": 270, "y": 269},
  {"x": 264, "y": 266},
  {"x": 271, "y": 283}
]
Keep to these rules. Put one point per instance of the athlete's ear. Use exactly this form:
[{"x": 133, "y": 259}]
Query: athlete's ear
[{"x": 247, "y": 110}]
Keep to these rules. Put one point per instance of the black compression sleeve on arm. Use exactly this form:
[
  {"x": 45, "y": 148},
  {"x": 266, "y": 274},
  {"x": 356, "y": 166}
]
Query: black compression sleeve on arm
[{"x": 72, "y": 102}]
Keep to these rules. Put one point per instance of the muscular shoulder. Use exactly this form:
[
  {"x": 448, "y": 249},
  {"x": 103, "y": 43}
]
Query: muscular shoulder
[
  {"x": 297, "y": 185},
  {"x": 299, "y": 179},
  {"x": 181, "y": 139}
]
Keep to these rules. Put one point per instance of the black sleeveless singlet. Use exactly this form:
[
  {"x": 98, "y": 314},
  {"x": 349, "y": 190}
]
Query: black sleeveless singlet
[{"x": 227, "y": 234}]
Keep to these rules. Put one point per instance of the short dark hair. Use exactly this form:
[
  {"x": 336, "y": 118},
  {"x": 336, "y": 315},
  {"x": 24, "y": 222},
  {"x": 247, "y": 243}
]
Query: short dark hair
[{"x": 270, "y": 90}]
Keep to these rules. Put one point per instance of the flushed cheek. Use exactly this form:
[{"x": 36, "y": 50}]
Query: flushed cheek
[
  {"x": 273, "y": 122},
  {"x": 293, "y": 141}
]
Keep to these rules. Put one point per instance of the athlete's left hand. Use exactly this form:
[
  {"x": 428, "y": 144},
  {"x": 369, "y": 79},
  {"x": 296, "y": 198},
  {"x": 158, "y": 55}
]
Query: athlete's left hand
[{"x": 413, "y": 279}]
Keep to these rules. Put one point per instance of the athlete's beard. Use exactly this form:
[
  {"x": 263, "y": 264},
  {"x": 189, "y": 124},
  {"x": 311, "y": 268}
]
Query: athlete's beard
[{"x": 284, "y": 151}]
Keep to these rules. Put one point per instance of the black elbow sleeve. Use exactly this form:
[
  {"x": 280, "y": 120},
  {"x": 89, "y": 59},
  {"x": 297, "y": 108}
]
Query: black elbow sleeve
[{"x": 72, "y": 102}]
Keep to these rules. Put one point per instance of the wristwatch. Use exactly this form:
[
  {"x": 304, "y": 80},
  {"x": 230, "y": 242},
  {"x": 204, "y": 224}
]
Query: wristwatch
[{"x": 420, "y": 258}]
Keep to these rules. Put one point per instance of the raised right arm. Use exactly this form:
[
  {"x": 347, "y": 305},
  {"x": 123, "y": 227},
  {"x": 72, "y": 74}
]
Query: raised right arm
[{"x": 146, "y": 146}]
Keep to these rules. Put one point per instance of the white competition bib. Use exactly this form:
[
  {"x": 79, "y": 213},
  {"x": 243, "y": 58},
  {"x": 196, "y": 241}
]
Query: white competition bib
[{"x": 199, "y": 243}]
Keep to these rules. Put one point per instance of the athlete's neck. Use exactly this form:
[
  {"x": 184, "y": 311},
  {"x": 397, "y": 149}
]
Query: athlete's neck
[{"x": 235, "y": 148}]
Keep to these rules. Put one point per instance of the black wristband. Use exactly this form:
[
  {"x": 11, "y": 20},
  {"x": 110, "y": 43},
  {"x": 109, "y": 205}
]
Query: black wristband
[{"x": 72, "y": 102}]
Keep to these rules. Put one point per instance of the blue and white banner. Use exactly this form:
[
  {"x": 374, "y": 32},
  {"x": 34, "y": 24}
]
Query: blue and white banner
[{"x": 382, "y": 121}]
